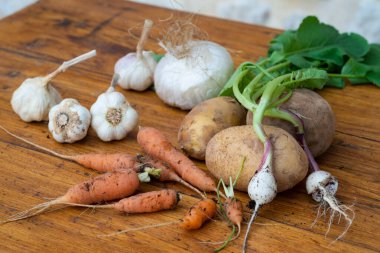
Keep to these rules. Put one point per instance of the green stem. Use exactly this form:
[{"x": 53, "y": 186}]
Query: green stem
[
  {"x": 265, "y": 100},
  {"x": 228, "y": 240},
  {"x": 276, "y": 113},
  {"x": 239, "y": 96},
  {"x": 344, "y": 75}
]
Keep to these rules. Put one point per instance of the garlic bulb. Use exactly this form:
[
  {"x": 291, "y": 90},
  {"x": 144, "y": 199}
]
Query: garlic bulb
[
  {"x": 136, "y": 69},
  {"x": 69, "y": 121},
  {"x": 197, "y": 76},
  {"x": 112, "y": 116},
  {"x": 35, "y": 96}
]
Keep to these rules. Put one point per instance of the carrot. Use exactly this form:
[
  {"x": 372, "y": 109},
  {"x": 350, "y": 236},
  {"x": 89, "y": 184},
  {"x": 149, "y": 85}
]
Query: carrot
[
  {"x": 157, "y": 145},
  {"x": 105, "y": 187},
  {"x": 234, "y": 210},
  {"x": 232, "y": 207},
  {"x": 98, "y": 162},
  {"x": 165, "y": 172},
  {"x": 147, "y": 202},
  {"x": 199, "y": 214}
]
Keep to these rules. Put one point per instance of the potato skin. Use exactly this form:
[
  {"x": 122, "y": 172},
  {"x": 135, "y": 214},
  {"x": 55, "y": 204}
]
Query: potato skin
[
  {"x": 318, "y": 118},
  {"x": 226, "y": 150},
  {"x": 205, "y": 120}
]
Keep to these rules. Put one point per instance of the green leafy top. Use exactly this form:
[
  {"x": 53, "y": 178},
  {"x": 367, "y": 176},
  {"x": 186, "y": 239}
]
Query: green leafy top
[{"x": 314, "y": 45}]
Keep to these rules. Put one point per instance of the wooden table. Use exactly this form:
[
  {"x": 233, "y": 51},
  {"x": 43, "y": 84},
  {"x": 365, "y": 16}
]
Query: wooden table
[{"x": 37, "y": 39}]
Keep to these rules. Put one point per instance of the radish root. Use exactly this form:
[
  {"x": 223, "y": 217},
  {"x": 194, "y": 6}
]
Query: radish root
[
  {"x": 252, "y": 219},
  {"x": 330, "y": 201}
]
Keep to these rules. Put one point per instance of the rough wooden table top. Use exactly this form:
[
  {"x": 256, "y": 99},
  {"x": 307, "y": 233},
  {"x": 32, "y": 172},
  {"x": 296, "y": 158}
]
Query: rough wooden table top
[{"x": 37, "y": 39}]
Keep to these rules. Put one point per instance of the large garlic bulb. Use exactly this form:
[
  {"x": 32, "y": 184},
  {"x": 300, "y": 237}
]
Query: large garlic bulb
[{"x": 197, "y": 76}]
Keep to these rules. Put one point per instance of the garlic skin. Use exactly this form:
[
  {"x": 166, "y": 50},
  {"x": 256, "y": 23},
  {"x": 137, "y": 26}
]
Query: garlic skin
[
  {"x": 112, "y": 116},
  {"x": 69, "y": 121},
  {"x": 33, "y": 99},
  {"x": 136, "y": 73},
  {"x": 196, "y": 77},
  {"x": 39, "y": 98}
]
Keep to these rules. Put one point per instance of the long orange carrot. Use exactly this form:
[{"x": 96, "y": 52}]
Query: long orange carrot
[
  {"x": 157, "y": 145},
  {"x": 105, "y": 187},
  {"x": 165, "y": 172},
  {"x": 98, "y": 162},
  {"x": 147, "y": 202},
  {"x": 199, "y": 214}
]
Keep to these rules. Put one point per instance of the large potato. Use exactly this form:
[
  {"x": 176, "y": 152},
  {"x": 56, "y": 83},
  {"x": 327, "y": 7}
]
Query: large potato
[
  {"x": 317, "y": 115},
  {"x": 205, "y": 120},
  {"x": 226, "y": 150}
]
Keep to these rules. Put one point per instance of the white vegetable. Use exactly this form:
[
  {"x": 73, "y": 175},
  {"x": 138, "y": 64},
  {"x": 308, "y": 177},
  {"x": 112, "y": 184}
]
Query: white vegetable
[
  {"x": 319, "y": 179},
  {"x": 136, "y": 69},
  {"x": 35, "y": 96},
  {"x": 323, "y": 186},
  {"x": 196, "y": 76},
  {"x": 112, "y": 116},
  {"x": 69, "y": 121}
]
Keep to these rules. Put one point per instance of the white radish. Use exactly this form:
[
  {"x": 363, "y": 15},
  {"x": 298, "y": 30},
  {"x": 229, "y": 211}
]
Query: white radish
[
  {"x": 323, "y": 186},
  {"x": 262, "y": 188}
]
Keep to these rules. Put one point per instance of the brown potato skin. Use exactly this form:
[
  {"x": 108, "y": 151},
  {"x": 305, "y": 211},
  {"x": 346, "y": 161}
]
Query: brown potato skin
[
  {"x": 318, "y": 118},
  {"x": 205, "y": 120},
  {"x": 226, "y": 150}
]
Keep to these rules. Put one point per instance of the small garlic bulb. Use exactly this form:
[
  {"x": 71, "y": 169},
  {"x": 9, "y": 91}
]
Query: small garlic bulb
[
  {"x": 35, "y": 96},
  {"x": 136, "y": 70},
  {"x": 69, "y": 121},
  {"x": 112, "y": 116}
]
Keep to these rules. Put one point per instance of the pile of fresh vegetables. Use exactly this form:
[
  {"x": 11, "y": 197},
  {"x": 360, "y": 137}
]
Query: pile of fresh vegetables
[{"x": 291, "y": 123}]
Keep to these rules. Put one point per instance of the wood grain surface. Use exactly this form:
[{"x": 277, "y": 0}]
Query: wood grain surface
[{"x": 37, "y": 39}]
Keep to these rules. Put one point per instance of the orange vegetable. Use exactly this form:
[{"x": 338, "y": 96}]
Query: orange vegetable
[
  {"x": 165, "y": 174},
  {"x": 199, "y": 214},
  {"x": 148, "y": 202},
  {"x": 105, "y": 187},
  {"x": 157, "y": 145},
  {"x": 98, "y": 162},
  {"x": 234, "y": 210}
]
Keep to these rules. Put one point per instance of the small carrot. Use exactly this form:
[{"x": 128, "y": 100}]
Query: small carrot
[
  {"x": 164, "y": 172},
  {"x": 232, "y": 208},
  {"x": 199, "y": 214},
  {"x": 105, "y": 187},
  {"x": 157, "y": 145},
  {"x": 98, "y": 162},
  {"x": 147, "y": 202}
]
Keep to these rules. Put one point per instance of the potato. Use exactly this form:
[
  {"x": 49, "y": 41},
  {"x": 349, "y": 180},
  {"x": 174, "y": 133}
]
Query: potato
[
  {"x": 226, "y": 150},
  {"x": 317, "y": 115},
  {"x": 205, "y": 120}
]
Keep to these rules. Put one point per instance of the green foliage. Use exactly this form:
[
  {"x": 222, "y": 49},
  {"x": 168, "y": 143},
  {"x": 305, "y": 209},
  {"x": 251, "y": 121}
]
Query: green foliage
[
  {"x": 306, "y": 78},
  {"x": 313, "y": 45},
  {"x": 367, "y": 69}
]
